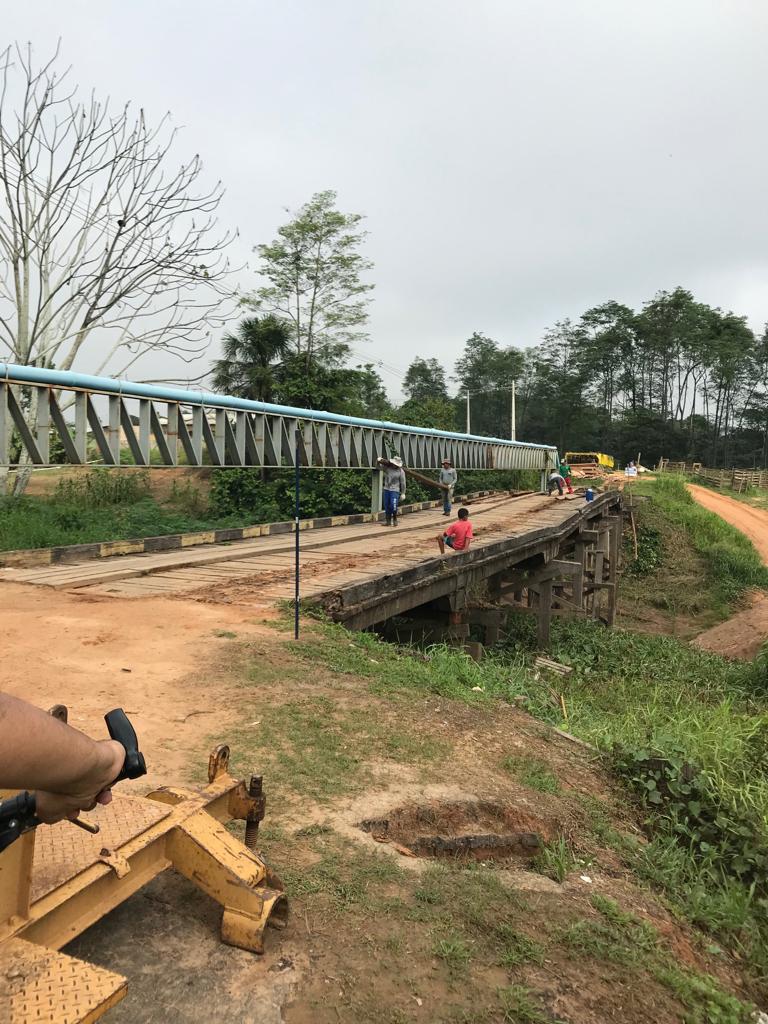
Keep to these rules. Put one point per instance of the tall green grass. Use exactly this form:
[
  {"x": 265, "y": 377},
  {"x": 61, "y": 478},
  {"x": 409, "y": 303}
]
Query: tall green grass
[{"x": 101, "y": 505}]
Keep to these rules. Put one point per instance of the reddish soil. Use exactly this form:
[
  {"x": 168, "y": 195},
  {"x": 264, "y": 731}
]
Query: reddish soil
[
  {"x": 744, "y": 633},
  {"x": 161, "y": 661},
  {"x": 753, "y": 522}
]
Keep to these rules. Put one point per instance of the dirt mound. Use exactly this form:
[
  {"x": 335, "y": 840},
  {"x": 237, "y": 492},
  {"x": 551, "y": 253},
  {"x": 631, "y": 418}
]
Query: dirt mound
[{"x": 742, "y": 635}]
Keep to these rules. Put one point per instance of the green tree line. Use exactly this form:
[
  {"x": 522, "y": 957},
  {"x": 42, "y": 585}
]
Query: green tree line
[{"x": 676, "y": 378}]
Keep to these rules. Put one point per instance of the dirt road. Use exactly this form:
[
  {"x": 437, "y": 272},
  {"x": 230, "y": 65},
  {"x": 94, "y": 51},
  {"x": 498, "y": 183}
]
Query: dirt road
[
  {"x": 753, "y": 522},
  {"x": 743, "y": 634}
]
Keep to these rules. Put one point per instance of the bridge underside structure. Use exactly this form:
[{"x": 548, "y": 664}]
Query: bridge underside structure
[
  {"x": 563, "y": 561},
  {"x": 52, "y": 417}
]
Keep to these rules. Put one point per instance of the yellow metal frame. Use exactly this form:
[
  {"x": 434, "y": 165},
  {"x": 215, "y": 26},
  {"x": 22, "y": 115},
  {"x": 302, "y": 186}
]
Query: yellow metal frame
[{"x": 49, "y": 899}]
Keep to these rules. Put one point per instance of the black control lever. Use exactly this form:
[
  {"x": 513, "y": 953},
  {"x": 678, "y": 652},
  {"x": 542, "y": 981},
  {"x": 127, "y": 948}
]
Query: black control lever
[{"x": 120, "y": 729}]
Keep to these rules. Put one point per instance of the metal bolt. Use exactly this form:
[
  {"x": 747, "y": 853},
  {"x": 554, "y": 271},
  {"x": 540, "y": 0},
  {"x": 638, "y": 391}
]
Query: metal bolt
[{"x": 254, "y": 819}]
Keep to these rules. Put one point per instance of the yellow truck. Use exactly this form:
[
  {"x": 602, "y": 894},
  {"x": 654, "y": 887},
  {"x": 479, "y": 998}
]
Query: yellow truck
[{"x": 585, "y": 460}]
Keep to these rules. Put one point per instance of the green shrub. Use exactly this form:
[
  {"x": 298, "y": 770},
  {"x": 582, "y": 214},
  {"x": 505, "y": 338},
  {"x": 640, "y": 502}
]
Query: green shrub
[{"x": 101, "y": 488}]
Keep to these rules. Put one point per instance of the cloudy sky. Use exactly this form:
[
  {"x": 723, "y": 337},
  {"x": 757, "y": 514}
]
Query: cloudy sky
[{"x": 517, "y": 160}]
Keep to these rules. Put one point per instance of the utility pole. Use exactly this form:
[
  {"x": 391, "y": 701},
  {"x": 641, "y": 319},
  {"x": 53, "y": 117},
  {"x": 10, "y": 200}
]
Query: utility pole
[
  {"x": 468, "y": 430},
  {"x": 513, "y": 426}
]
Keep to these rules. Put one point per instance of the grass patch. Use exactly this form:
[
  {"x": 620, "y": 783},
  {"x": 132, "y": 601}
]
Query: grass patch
[
  {"x": 669, "y": 580},
  {"x": 689, "y": 732},
  {"x": 454, "y": 951},
  {"x": 344, "y": 876},
  {"x": 102, "y": 505},
  {"x": 620, "y": 937},
  {"x": 533, "y": 773},
  {"x": 520, "y": 1006},
  {"x": 556, "y": 860},
  {"x": 318, "y": 749},
  {"x": 440, "y": 669}
]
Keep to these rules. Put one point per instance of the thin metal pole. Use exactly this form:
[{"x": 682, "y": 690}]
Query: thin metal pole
[
  {"x": 513, "y": 424},
  {"x": 296, "y": 515},
  {"x": 468, "y": 427}
]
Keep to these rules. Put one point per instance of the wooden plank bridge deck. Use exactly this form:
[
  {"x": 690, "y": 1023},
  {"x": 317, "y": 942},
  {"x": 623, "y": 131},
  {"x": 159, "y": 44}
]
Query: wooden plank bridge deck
[{"x": 352, "y": 568}]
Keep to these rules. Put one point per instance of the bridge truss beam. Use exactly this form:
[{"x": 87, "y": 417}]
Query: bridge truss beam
[{"x": 50, "y": 417}]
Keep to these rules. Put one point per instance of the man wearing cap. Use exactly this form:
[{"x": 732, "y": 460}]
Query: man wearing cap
[
  {"x": 394, "y": 487},
  {"x": 448, "y": 478}
]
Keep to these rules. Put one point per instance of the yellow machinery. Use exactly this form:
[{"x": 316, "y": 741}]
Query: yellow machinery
[
  {"x": 56, "y": 881},
  {"x": 582, "y": 459}
]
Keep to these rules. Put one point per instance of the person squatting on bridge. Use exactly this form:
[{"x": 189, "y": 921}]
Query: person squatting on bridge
[
  {"x": 394, "y": 487},
  {"x": 555, "y": 481},
  {"x": 458, "y": 535},
  {"x": 67, "y": 770},
  {"x": 447, "y": 479}
]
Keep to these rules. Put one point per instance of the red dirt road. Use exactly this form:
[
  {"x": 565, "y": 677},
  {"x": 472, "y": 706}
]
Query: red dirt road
[
  {"x": 743, "y": 634},
  {"x": 753, "y": 522}
]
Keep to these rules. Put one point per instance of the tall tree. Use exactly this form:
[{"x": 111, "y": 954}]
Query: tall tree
[
  {"x": 249, "y": 358},
  {"x": 107, "y": 250},
  {"x": 103, "y": 243},
  {"x": 357, "y": 391},
  {"x": 313, "y": 272},
  {"x": 425, "y": 378},
  {"x": 485, "y": 371}
]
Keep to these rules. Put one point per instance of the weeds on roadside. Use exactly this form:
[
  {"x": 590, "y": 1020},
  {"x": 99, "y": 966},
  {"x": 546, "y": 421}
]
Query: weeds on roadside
[{"x": 556, "y": 860}]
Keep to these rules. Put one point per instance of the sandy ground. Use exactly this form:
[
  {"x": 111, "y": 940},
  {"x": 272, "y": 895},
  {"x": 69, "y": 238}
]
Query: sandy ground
[
  {"x": 743, "y": 634},
  {"x": 163, "y": 662},
  {"x": 159, "y": 660}
]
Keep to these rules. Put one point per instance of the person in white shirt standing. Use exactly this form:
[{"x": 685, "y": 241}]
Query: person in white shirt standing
[
  {"x": 448, "y": 478},
  {"x": 394, "y": 487}
]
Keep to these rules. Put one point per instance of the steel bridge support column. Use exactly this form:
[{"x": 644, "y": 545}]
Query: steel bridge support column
[{"x": 376, "y": 491}]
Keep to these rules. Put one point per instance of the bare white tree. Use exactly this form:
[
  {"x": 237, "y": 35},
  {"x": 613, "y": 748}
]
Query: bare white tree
[{"x": 102, "y": 239}]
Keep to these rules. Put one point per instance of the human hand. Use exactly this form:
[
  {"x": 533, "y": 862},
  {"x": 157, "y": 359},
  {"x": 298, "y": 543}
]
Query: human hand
[{"x": 91, "y": 788}]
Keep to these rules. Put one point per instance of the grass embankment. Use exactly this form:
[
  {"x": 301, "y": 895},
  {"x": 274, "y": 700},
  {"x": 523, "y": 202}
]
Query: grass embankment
[
  {"x": 104, "y": 505},
  {"x": 692, "y": 566},
  {"x": 346, "y": 727},
  {"x": 685, "y": 731}
]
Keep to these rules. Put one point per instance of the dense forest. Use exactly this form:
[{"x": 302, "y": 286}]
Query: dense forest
[{"x": 677, "y": 378}]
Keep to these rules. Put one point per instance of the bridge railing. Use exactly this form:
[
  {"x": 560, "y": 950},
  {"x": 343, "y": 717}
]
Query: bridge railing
[{"x": 51, "y": 417}]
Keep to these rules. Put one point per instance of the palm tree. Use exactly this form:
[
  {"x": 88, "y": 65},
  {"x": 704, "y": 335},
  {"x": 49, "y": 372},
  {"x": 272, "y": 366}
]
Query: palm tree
[{"x": 250, "y": 357}]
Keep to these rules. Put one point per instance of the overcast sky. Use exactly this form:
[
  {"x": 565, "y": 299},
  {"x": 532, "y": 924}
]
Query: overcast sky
[{"x": 518, "y": 160}]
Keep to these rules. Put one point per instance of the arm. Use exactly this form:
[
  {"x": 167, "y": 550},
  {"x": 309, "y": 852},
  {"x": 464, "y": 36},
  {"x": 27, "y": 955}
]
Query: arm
[
  {"x": 402, "y": 483},
  {"x": 69, "y": 771}
]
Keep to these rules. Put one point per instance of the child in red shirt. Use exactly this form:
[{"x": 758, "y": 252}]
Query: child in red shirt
[{"x": 458, "y": 535}]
